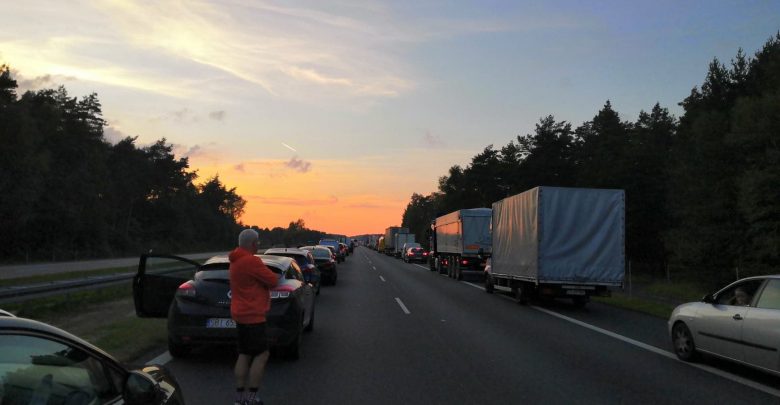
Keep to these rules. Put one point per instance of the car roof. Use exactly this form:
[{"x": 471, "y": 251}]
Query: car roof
[
  {"x": 296, "y": 251},
  {"x": 276, "y": 261},
  {"x": 8, "y": 323}
]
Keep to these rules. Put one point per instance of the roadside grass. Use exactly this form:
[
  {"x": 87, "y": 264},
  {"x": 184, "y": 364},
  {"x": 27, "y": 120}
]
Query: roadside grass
[
  {"x": 104, "y": 317},
  {"x": 678, "y": 290},
  {"x": 72, "y": 302},
  {"x": 658, "y": 309},
  {"x": 47, "y": 278}
]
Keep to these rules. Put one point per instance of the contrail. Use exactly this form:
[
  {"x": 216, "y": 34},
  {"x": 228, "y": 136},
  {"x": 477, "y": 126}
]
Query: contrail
[{"x": 289, "y": 147}]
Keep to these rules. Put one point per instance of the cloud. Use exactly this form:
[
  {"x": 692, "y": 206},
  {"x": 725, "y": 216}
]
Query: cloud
[
  {"x": 113, "y": 132},
  {"x": 298, "y": 165},
  {"x": 217, "y": 115},
  {"x": 432, "y": 141},
  {"x": 239, "y": 168},
  {"x": 331, "y": 200},
  {"x": 39, "y": 82}
]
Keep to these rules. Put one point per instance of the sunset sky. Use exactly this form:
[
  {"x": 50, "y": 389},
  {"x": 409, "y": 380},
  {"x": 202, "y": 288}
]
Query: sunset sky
[{"x": 337, "y": 111}]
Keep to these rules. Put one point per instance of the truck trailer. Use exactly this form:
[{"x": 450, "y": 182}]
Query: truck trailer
[
  {"x": 554, "y": 242},
  {"x": 461, "y": 243},
  {"x": 400, "y": 240},
  {"x": 390, "y": 233}
]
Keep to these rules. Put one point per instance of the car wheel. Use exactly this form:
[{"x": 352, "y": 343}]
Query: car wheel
[
  {"x": 310, "y": 326},
  {"x": 489, "y": 288},
  {"x": 178, "y": 350},
  {"x": 682, "y": 339},
  {"x": 335, "y": 277},
  {"x": 458, "y": 273},
  {"x": 319, "y": 284}
]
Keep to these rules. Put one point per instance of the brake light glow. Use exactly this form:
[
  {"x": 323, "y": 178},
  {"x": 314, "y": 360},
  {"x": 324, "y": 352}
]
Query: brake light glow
[
  {"x": 187, "y": 289},
  {"x": 425, "y": 253},
  {"x": 281, "y": 292},
  {"x": 464, "y": 262}
]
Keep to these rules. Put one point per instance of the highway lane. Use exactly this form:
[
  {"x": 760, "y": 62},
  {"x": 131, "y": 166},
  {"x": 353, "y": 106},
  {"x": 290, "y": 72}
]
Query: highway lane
[{"x": 459, "y": 345}]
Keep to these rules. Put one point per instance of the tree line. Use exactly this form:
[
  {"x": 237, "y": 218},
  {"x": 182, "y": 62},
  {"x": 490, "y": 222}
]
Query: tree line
[
  {"x": 68, "y": 193},
  {"x": 702, "y": 190}
]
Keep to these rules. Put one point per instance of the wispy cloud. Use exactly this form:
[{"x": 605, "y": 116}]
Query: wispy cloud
[
  {"x": 331, "y": 200},
  {"x": 217, "y": 115},
  {"x": 298, "y": 165},
  {"x": 432, "y": 141}
]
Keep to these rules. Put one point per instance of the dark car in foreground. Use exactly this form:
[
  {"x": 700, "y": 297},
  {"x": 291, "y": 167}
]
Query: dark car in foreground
[
  {"x": 323, "y": 258},
  {"x": 305, "y": 260},
  {"x": 41, "y": 364},
  {"x": 738, "y": 323},
  {"x": 196, "y": 300}
]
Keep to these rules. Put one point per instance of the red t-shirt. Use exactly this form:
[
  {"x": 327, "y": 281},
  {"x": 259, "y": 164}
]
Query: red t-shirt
[{"x": 250, "y": 284}]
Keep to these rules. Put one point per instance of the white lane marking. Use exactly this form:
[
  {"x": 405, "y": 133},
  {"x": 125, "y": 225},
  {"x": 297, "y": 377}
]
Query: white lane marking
[
  {"x": 662, "y": 352},
  {"x": 421, "y": 266},
  {"x": 403, "y": 307},
  {"x": 161, "y": 359},
  {"x": 382, "y": 278},
  {"x": 374, "y": 267}
]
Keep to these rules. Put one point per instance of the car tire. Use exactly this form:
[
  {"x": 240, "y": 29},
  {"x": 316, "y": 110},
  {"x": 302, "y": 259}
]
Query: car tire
[
  {"x": 580, "y": 302},
  {"x": 178, "y": 350},
  {"x": 489, "y": 288},
  {"x": 319, "y": 285},
  {"x": 520, "y": 293},
  {"x": 310, "y": 326},
  {"x": 335, "y": 277},
  {"x": 682, "y": 342}
]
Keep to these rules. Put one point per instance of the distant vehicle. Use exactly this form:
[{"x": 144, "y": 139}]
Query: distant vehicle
[
  {"x": 305, "y": 260},
  {"x": 325, "y": 261},
  {"x": 380, "y": 244},
  {"x": 737, "y": 323},
  {"x": 415, "y": 254},
  {"x": 196, "y": 300},
  {"x": 461, "y": 242},
  {"x": 401, "y": 240},
  {"x": 405, "y": 247},
  {"x": 42, "y": 364},
  {"x": 344, "y": 249},
  {"x": 556, "y": 242},
  {"x": 340, "y": 256},
  {"x": 389, "y": 247}
]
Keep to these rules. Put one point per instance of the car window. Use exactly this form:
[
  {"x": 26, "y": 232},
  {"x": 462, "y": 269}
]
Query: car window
[
  {"x": 35, "y": 370},
  {"x": 739, "y": 294},
  {"x": 294, "y": 272},
  {"x": 770, "y": 297}
]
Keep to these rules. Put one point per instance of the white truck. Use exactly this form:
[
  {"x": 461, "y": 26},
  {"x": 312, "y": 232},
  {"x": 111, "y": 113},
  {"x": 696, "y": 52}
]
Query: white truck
[
  {"x": 558, "y": 242},
  {"x": 402, "y": 239},
  {"x": 461, "y": 242},
  {"x": 390, "y": 232}
]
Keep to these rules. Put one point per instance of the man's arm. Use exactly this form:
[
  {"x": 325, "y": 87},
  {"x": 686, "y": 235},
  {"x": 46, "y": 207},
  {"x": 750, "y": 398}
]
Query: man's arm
[{"x": 263, "y": 274}]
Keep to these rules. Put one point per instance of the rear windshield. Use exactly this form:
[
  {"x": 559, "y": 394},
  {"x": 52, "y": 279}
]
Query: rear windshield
[
  {"x": 321, "y": 253},
  {"x": 301, "y": 260}
]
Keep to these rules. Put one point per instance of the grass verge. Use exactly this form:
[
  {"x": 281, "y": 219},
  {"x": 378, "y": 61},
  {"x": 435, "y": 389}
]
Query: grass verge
[
  {"x": 73, "y": 302},
  {"x": 658, "y": 309},
  {"x": 47, "y": 278}
]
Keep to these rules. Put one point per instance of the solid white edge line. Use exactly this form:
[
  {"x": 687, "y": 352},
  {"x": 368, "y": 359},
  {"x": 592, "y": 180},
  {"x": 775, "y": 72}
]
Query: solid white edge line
[
  {"x": 650, "y": 348},
  {"x": 403, "y": 307},
  {"x": 382, "y": 278},
  {"x": 161, "y": 359}
]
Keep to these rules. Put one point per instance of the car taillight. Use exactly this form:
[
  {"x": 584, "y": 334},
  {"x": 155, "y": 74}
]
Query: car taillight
[
  {"x": 187, "y": 289},
  {"x": 425, "y": 253},
  {"x": 464, "y": 262}
]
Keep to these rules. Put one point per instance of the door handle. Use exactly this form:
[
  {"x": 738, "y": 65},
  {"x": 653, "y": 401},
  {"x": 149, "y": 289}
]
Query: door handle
[{"x": 737, "y": 317}]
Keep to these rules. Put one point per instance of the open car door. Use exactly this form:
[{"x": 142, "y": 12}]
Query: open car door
[{"x": 155, "y": 284}]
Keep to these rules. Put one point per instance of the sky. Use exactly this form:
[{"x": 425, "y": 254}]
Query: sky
[{"x": 337, "y": 111}]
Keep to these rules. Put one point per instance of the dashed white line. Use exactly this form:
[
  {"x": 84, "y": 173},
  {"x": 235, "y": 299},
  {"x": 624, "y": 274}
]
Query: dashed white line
[
  {"x": 382, "y": 278},
  {"x": 650, "y": 348},
  {"x": 374, "y": 267},
  {"x": 403, "y": 307},
  {"x": 421, "y": 266}
]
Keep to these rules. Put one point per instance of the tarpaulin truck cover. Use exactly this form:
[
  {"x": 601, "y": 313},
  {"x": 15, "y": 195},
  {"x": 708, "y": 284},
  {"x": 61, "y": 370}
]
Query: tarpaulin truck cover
[
  {"x": 560, "y": 235},
  {"x": 464, "y": 232}
]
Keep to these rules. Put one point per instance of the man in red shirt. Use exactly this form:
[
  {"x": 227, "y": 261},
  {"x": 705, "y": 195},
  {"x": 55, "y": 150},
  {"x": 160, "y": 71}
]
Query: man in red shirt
[{"x": 250, "y": 284}]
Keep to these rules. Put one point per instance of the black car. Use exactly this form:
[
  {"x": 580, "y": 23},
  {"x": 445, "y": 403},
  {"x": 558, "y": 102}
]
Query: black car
[
  {"x": 305, "y": 260},
  {"x": 324, "y": 259},
  {"x": 335, "y": 246},
  {"x": 41, "y": 364},
  {"x": 196, "y": 300}
]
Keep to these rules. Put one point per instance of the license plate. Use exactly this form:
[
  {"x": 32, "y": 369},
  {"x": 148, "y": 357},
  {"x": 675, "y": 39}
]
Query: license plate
[
  {"x": 575, "y": 292},
  {"x": 222, "y": 323}
]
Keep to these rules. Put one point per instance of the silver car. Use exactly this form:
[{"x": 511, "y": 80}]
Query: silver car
[{"x": 740, "y": 323}]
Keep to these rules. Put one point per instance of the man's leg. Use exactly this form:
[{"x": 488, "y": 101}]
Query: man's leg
[
  {"x": 257, "y": 369},
  {"x": 241, "y": 371}
]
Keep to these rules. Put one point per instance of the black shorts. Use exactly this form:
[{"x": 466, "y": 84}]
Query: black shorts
[{"x": 251, "y": 339}]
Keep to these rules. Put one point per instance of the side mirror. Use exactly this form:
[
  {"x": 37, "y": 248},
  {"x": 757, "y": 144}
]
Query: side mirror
[
  {"x": 708, "y": 299},
  {"x": 139, "y": 389}
]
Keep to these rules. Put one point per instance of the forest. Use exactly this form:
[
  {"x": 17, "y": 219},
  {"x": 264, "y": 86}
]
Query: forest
[
  {"x": 69, "y": 194},
  {"x": 702, "y": 190}
]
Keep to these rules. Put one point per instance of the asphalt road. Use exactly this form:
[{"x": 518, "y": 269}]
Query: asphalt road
[{"x": 395, "y": 333}]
